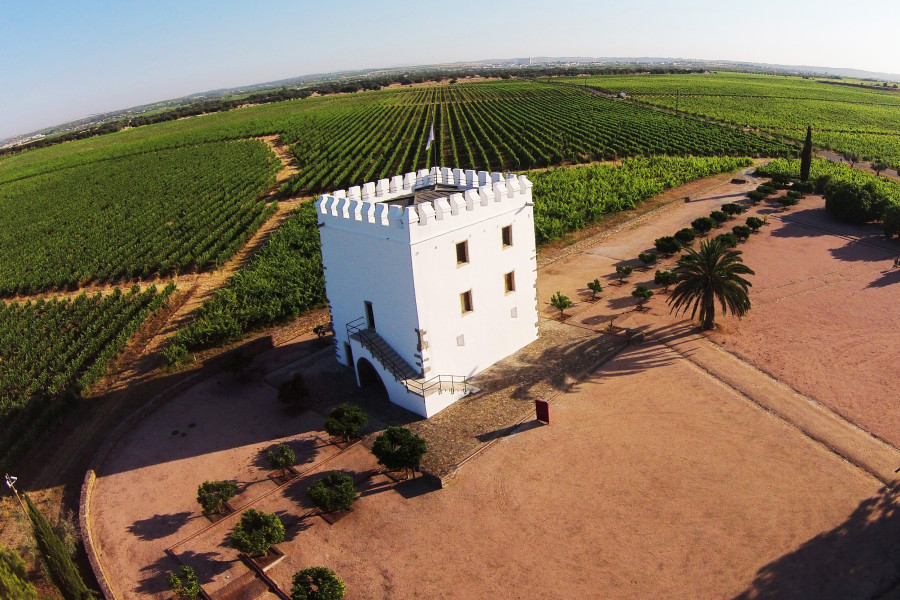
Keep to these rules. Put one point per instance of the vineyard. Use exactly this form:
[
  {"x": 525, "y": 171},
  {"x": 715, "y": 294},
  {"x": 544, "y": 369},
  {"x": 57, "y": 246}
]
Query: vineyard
[
  {"x": 850, "y": 120},
  {"x": 570, "y": 199},
  {"x": 283, "y": 280},
  {"x": 498, "y": 126},
  {"x": 359, "y": 137},
  {"x": 153, "y": 213},
  {"x": 50, "y": 351}
]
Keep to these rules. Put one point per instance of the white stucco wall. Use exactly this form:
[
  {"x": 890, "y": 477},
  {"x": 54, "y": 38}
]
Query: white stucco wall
[
  {"x": 403, "y": 260},
  {"x": 465, "y": 344},
  {"x": 361, "y": 266}
]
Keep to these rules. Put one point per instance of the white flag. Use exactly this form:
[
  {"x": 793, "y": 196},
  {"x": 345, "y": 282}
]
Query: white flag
[{"x": 430, "y": 138}]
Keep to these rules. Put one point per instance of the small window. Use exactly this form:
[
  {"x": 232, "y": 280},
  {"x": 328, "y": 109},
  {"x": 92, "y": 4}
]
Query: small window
[
  {"x": 506, "y": 233},
  {"x": 462, "y": 253},
  {"x": 465, "y": 301},
  {"x": 510, "y": 281}
]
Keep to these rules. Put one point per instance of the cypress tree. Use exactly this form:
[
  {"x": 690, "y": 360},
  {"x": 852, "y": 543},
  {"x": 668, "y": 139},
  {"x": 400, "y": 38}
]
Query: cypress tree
[
  {"x": 64, "y": 572},
  {"x": 806, "y": 156}
]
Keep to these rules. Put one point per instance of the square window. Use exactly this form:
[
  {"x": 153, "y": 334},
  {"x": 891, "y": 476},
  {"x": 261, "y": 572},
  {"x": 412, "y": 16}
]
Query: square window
[
  {"x": 462, "y": 253},
  {"x": 510, "y": 281},
  {"x": 506, "y": 234},
  {"x": 465, "y": 301}
]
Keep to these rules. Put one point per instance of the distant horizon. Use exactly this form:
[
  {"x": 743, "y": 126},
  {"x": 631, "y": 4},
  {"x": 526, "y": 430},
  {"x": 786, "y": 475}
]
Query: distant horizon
[{"x": 101, "y": 56}]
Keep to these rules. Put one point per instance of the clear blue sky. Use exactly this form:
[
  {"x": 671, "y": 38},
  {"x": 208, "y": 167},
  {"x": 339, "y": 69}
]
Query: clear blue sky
[{"x": 65, "y": 59}]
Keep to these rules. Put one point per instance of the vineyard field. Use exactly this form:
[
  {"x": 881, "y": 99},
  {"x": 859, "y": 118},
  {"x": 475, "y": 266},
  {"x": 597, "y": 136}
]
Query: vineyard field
[
  {"x": 339, "y": 140},
  {"x": 845, "y": 119},
  {"x": 51, "y": 351},
  {"x": 284, "y": 279},
  {"x": 133, "y": 217},
  {"x": 570, "y": 199}
]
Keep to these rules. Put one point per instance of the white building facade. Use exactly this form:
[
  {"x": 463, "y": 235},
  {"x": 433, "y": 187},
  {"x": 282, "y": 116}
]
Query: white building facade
[{"x": 431, "y": 278}]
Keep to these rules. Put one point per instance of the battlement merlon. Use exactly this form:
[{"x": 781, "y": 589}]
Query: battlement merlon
[{"x": 368, "y": 208}]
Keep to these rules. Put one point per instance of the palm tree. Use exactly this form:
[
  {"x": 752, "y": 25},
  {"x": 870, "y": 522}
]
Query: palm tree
[{"x": 710, "y": 274}]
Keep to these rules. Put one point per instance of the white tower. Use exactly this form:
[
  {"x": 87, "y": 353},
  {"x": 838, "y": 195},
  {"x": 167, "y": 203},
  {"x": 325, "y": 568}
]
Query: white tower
[{"x": 431, "y": 278}]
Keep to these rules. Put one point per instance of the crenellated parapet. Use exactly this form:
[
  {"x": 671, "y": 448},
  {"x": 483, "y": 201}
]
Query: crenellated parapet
[{"x": 389, "y": 203}]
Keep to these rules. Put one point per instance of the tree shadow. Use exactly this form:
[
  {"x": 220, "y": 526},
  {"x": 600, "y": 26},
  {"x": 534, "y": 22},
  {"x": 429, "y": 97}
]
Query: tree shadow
[
  {"x": 513, "y": 429},
  {"x": 306, "y": 449},
  {"x": 858, "y": 559},
  {"x": 158, "y": 526},
  {"x": 206, "y": 565},
  {"x": 887, "y": 278}
]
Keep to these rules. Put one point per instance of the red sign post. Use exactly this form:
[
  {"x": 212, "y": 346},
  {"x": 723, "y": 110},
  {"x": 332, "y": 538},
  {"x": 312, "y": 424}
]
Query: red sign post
[{"x": 542, "y": 408}]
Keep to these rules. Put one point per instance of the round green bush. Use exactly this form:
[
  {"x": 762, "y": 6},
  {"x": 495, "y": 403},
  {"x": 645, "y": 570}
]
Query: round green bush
[
  {"x": 346, "y": 421},
  {"x": 668, "y": 245},
  {"x": 703, "y": 224},
  {"x": 257, "y": 531},
  {"x": 742, "y": 232},
  {"x": 685, "y": 236},
  {"x": 665, "y": 278},
  {"x": 399, "y": 448},
  {"x": 317, "y": 583},
  {"x": 754, "y": 223},
  {"x": 718, "y": 216},
  {"x": 729, "y": 239},
  {"x": 334, "y": 492}
]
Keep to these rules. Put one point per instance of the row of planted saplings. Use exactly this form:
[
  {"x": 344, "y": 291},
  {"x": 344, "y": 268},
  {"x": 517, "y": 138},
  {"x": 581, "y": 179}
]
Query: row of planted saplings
[
  {"x": 395, "y": 449},
  {"x": 668, "y": 246}
]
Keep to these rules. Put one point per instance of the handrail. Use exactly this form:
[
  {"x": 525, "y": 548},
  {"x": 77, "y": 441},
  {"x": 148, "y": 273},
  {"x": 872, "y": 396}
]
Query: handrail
[{"x": 357, "y": 326}]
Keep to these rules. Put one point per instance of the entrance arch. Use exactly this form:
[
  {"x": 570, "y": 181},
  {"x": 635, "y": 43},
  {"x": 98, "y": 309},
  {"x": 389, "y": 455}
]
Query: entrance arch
[{"x": 369, "y": 377}]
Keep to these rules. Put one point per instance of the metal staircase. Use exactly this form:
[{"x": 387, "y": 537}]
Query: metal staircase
[{"x": 401, "y": 370}]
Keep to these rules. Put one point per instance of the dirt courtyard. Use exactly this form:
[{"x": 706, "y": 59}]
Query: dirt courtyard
[{"x": 664, "y": 474}]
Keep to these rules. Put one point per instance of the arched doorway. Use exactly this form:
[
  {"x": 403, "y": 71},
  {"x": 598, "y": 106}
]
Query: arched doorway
[{"x": 369, "y": 377}]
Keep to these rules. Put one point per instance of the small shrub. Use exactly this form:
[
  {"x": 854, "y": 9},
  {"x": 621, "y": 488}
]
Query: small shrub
[
  {"x": 668, "y": 245},
  {"x": 718, "y": 216},
  {"x": 281, "y": 458},
  {"x": 334, "y": 492},
  {"x": 596, "y": 287},
  {"x": 821, "y": 183},
  {"x": 642, "y": 293},
  {"x": 768, "y": 190},
  {"x": 891, "y": 220},
  {"x": 185, "y": 584},
  {"x": 686, "y": 236},
  {"x": 741, "y": 232},
  {"x": 561, "y": 302},
  {"x": 212, "y": 495},
  {"x": 399, "y": 448},
  {"x": 317, "y": 583},
  {"x": 703, "y": 225},
  {"x": 755, "y": 196},
  {"x": 346, "y": 421},
  {"x": 294, "y": 393},
  {"x": 786, "y": 201},
  {"x": 728, "y": 239},
  {"x": 647, "y": 258},
  {"x": 732, "y": 209},
  {"x": 804, "y": 187},
  {"x": 257, "y": 532},
  {"x": 665, "y": 278},
  {"x": 14, "y": 583},
  {"x": 794, "y": 194},
  {"x": 624, "y": 272},
  {"x": 754, "y": 223}
]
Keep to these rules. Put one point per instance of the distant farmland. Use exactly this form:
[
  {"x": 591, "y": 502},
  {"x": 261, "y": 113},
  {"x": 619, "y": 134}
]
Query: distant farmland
[{"x": 846, "y": 119}]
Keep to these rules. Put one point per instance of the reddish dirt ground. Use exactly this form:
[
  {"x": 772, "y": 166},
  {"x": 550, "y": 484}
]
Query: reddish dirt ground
[{"x": 664, "y": 474}]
